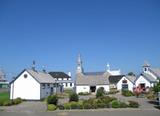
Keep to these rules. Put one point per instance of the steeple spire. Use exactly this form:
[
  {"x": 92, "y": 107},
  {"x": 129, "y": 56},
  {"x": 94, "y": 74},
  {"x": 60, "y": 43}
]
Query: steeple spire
[{"x": 79, "y": 64}]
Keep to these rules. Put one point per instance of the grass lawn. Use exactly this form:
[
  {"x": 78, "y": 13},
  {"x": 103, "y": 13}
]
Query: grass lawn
[{"x": 4, "y": 96}]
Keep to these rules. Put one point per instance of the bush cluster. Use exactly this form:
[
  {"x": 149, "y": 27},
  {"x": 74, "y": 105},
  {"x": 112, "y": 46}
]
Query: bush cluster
[
  {"x": 11, "y": 102},
  {"x": 52, "y": 99},
  {"x": 127, "y": 93},
  {"x": 133, "y": 104},
  {"x": 92, "y": 103}
]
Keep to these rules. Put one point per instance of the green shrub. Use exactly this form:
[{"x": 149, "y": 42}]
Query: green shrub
[
  {"x": 61, "y": 107},
  {"x": 51, "y": 107},
  {"x": 52, "y": 99},
  {"x": 115, "y": 104},
  {"x": 127, "y": 93},
  {"x": 80, "y": 105},
  {"x": 73, "y": 97},
  {"x": 7, "y": 103},
  {"x": 83, "y": 93},
  {"x": 100, "y": 92},
  {"x": 133, "y": 104},
  {"x": 123, "y": 105},
  {"x": 107, "y": 99},
  {"x": 74, "y": 105},
  {"x": 17, "y": 101},
  {"x": 87, "y": 106},
  {"x": 67, "y": 106}
]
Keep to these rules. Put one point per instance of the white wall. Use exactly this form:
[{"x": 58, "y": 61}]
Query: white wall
[
  {"x": 25, "y": 88},
  {"x": 140, "y": 80},
  {"x": 82, "y": 89},
  {"x": 106, "y": 87},
  {"x": 130, "y": 84}
]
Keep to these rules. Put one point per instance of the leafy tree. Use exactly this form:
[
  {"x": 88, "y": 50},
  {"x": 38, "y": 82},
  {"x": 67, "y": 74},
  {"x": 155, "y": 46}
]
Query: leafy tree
[
  {"x": 73, "y": 97},
  {"x": 52, "y": 99},
  {"x": 156, "y": 87},
  {"x": 100, "y": 92},
  {"x": 131, "y": 74}
]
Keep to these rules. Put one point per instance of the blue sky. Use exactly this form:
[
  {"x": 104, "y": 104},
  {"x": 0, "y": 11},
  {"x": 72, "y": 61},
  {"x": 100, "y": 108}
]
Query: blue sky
[{"x": 53, "y": 32}]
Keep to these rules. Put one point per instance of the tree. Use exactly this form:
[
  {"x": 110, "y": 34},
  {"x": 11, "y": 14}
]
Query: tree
[
  {"x": 100, "y": 92},
  {"x": 73, "y": 97},
  {"x": 131, "y": 74},
  {"x": 156, "y": 87}
]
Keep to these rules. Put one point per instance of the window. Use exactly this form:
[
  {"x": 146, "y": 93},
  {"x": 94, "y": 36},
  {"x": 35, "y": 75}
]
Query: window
[
  {"x": 48, "y": 85},
  {"x": 66, "y": 84},
  {"x": 124, "y": 81},
  {"x": 43, "y": 86},
  {"x": 71, "y": 84},
  {"x": 124, "y": 86},
  {"x": 25, "y": 75}
]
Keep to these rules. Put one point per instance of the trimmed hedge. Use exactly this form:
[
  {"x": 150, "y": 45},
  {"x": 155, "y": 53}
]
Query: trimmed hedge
[{"x": 51, "y": 107}]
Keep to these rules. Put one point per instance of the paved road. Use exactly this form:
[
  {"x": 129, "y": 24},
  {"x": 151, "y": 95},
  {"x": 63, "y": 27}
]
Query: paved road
[{"x": 87, "y": 113}]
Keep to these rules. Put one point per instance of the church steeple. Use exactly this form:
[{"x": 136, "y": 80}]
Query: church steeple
[
  {"x": 146, "y": 66},
  {"x": 79, "y": 64}
]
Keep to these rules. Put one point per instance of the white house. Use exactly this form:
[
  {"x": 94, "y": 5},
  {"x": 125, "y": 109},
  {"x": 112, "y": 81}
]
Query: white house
[
  {"x": 126, "y": 83},
  {"x": 148, "y": 77},
  {"x": 63, "y": 79},
  {"x": 90, "y": 81},
  {"x": 33, "y": 85}
]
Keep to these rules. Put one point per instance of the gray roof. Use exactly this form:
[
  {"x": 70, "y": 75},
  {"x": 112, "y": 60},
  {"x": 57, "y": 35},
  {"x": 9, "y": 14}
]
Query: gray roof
[
  {"x": 149, "y": 77},
  {"x": 92, "y": 79},
  {"x": 41, "y": 77},
  {"x": 113, "y": 79},
  {"x": 131, "y": 78},
  {"x": 155, "y": 71}
]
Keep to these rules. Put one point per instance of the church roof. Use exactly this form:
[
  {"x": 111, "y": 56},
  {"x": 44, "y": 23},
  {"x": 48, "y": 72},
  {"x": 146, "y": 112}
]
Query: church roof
[
  {"x": 92, "y": 79},
  {"x": 155, "y": 71},
  {"x": 149, "y": 77}
]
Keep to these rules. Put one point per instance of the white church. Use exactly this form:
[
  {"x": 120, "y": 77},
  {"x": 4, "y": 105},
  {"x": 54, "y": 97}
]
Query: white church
[{"x": 87, "y": 82}]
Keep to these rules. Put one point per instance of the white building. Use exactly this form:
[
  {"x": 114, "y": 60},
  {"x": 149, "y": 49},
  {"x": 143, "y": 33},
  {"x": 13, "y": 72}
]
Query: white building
[
  {"x": 33, "y": 85},
  {"x": 63, "y": 79},
  {"x": 126, "y": 83},
  {"x": 148, "y": 77},
  {"x": 90, "y": 81}
]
